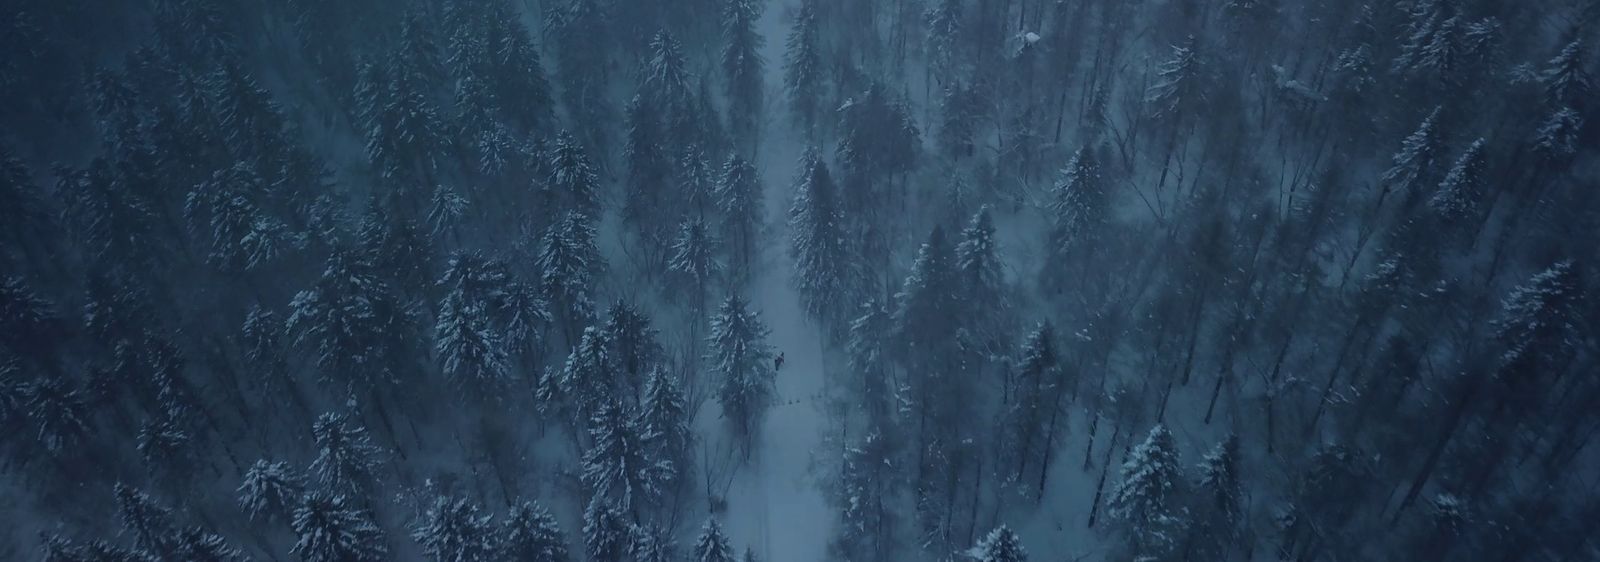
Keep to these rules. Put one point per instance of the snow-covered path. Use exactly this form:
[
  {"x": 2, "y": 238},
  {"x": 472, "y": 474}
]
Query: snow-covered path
[{"x": 774, "y": 504}]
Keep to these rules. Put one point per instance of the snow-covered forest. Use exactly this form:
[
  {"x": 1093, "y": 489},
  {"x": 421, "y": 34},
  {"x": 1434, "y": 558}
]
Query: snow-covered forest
[{"x": 799, "y": 280}]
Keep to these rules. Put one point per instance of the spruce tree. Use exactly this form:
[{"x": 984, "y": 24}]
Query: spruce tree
[
  {"x": 712, "y": 545},
  {"x": 455, "y": 530},
  {"x": 741, "y": 360},
  {"x": 329, "y": 530},
  {"x": 532, "y": 535},
  {"x": 1147, "y": 501}
]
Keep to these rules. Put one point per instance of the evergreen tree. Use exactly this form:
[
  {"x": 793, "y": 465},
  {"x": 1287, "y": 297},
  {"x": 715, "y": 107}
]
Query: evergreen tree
[
  {"x": 270, "y": 490},
  {"x": 531, "y": 535},
  {"x": 712, "y": 545},
  {"x": 1416, "y": 163},
  {"x": 741, "y": 67},
  {"x": 1146, "y": 502},
  {"x": 1220, "y": 507},
  {"x": 1179, "y": 87},
  {"x": 199, "y": 545},
  {"x": 739, "y": 199},
  {"x": 1557, "y": 139},
  {"x": 1566, "y": 81},
  {"x": 347, "y": 461},
  {"x": 634, "y": 344},
  {"x": 152, "y": 526},
  {"x": 470, "y": 347},
  {"x": 1036, "y": 406},
  {"x": 606, "y": 535},
  {"x": 1462, "y": 189},
  {"x": 352, "y": 323},
  {"x": 454, "y": 530},
  {"x": 575, "y": 185},
  {"x": 817, "y": 241},
  {"x": 740, "y": 358},
  {"x": 1000, "y": 545},
  {"x": 694, "y": 260},
  {"x": 867, "y": 347},
  {"x": 664, "y": 420},
  {"x": 580, "y": 30},
  {"x": 983, "y": 284},
  {"x": 1078, "y": 207},
  {"x": 330, "y": 531},
  {"x": 617, "y": 468},
  {"x": 568, "y": 262},
  {"x": 802, "y": 68},
  {"x": 866, "y": 492},
  {"x": 586, "y": 383}
]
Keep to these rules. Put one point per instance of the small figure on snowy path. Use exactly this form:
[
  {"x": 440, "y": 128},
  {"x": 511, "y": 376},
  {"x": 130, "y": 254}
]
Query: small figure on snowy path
[{"x": 777, "y": 362}]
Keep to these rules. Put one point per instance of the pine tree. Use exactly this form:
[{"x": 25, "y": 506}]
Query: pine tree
[
  {"x": 199, "y": 545},
  {"x": 740, "y": 358},
  {"x": 816, "y": 223},
  {"x": 353, "y": 324},
  {"x": 694, "y": 261},
  {"x": 347, "y": 460},
  {"x": 983, "y": 284},
  {"x": 405, "y": 134},
  {"x": 1566, "y": 81},
  {"x": 575, "y": 185},
  {"x": 1220, "y": 502},
  {"x": 454, "y": 530},
  {"x": 1179, "y": 85},
  {"x": 152, "y": 526},
  {"x": 650, "y": 170},
  {"x": 739, "y": 199},
  {"x": 1537, "y": 321},
  {"x": 802, "y": 68},
  {"x": 635, "y": 346},
  {"x": 1078, "y": 208},
  {"x": 516, "y": 72},
  {"x": 666, "y": 85},
  {"x": 59, "y": 412},
  {"x": 251, "y": 122},
  {"x": 270, "y": 490},
  {"x": 470, "y": 346},
  {"x": 1000, "y": 545},
  {"x": 664, "y": 420},
  {"x": 22, "y": 212},
  {"x": 712, "y": 545},
  {"x": 568, "y": 262},
  {"x": 928, "y": 304},
  {"x": 1557, "y": 139},
  {"x": 695, "y": 183},
  {"x": 867, "y": 347},
  {"x": 395, "y": 248},
  {"x": 618, "y": 468},
  {"x": 1416, "y": 163},
  {"x": 1036, "y": 403},
  {"x": 1462, "y": 189},
  {"x": 242, "y": 236},
  {"x": 581, "y": 34},
  {"x": 606, "y": 535},
  {"x": 742, "y": 66},
  {"x": 867, "y": 486},
  {"x": 531, "y": 535},
  {"x": 586, "y": 383},
  {"x": 878, "y": 139},
  {"x": 1146, "y": 501},
  {"x": 944, "y": 19},
  {"x": 328, "y": 530}
]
